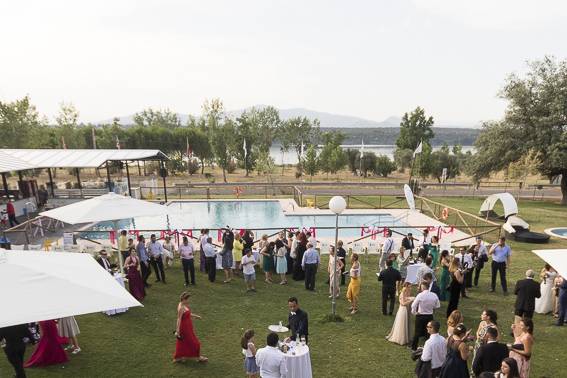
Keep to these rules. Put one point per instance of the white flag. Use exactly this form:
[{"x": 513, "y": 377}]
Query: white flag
[
  {"x": 362, "y": 149},
  {"x": 419, "y": 149},
  {"x": 245, "y": 151}
]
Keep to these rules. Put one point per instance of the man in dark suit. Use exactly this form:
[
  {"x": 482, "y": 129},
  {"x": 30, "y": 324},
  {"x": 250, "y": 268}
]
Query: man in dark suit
[
  {"x": 527, "y": 290},
  {"x": 104, "y": 262},
  {"x": 298, "y": 322},
  {"x": 407, "y": 243},
  {"x": 490, "y": 355},
  {"x": 341, "y": 254},
  {"x": 15, "y": 346},
  {"x": 390, "y": 278}
]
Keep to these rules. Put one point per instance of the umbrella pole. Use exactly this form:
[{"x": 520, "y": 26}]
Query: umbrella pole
[{"x": 120, "y": 262}]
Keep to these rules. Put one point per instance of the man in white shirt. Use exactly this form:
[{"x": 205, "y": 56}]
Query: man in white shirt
[
  {"x": 466, "y": 266},
  {"x": 481, "y": 256},
  {"x": 248, "y": 262},
  {"x": 210, "y": 259},
  {"x": 387, "y": 249},
  {"x": 434, "y": 351},
  {"x": 187, "y": 260},
  {"x": 271, "y": 360},
  {"x": 422, "y": 307}
]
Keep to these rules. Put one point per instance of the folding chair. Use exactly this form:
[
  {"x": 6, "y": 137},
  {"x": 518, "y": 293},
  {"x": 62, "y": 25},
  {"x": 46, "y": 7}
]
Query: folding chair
[
  {"x": 324, "y": 248},
  {"x": 18, "y": 247},
  {"x": 34, "y": 247},
  {"x": 357, "y": 248},
  {"x": 373, "y": 248}
]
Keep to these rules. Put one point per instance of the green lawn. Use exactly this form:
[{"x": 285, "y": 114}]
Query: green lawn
[{"x": 140, "y": 342}]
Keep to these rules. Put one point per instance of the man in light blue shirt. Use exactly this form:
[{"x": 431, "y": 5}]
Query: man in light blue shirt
[
  {"x": 309, "y": 264},
  {"x": 155, "y": 251},
  {"x": 144, "y": 260},
  {"x": 501, "y": 254}
]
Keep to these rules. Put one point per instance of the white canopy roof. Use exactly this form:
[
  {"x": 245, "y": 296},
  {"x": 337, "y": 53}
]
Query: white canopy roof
[
  {"x": 557, "y": 258},
  {"x": 108, "y": 207},
  {"x": 50, "y": 285},
  {"x": 18, "y": 159},
  {"x": 508, "y": 202}
]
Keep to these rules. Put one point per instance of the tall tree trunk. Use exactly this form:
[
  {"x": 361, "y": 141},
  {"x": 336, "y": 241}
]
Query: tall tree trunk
[
  {"x": 564, "y": 188},
  {"x": 202, "y": 166},
  {"x": 224, "y": 174}
]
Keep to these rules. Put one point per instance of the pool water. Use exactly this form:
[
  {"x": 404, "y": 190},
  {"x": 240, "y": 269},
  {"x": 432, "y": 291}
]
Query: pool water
[{"x": 255, "y": 215}]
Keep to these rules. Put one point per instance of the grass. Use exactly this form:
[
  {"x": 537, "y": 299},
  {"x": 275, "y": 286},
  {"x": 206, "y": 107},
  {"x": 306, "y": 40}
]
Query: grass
[{"x": 140, "y": 342}]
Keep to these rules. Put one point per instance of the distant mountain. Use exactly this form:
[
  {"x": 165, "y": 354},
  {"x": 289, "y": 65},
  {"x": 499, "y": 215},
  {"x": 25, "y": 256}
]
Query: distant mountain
[{"x": 327, "y": 120}]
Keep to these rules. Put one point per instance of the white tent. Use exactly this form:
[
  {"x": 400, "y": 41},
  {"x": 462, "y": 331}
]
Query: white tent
[
  {"x": 508, "y": 202},
  {"x": 557, "y": 258},
  {"x": 108, "y": 207},
  {"x": 50, "y": 285}
]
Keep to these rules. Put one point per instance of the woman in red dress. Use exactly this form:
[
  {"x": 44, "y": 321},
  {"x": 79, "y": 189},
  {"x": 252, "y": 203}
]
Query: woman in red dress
[
  {"x": 49, "y": 350},
  {"x": 132, "y": 264},
  {"x": 187, "y": 345}
]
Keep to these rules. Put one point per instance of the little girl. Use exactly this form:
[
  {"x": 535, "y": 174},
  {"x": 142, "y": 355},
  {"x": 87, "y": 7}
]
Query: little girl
[{"x": 249, "y": 351}]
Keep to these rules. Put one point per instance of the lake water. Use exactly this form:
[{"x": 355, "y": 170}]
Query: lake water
[{"x": 290, "y": 157}]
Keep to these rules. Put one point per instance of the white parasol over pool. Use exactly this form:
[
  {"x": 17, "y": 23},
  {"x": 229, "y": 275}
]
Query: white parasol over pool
[{"x": 108, "y": 207}]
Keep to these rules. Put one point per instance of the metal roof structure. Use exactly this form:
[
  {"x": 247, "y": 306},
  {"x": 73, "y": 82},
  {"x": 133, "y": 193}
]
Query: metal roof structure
[{"x": 22, "y": 159}]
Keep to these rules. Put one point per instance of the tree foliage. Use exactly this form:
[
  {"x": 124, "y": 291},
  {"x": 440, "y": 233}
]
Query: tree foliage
[
  {"x": 535, "y": 122},
  {"x": 415, "y": 127},
  {"x": 332, "y": 157},
  {"x": 384, "y": 166},
  {"x": 19, "y": 123},
  {"x": 311, "y": 161}
]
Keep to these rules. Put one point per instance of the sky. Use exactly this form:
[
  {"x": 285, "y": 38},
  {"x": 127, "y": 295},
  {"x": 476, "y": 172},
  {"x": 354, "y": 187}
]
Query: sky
[{"x": 371, "y": 59}]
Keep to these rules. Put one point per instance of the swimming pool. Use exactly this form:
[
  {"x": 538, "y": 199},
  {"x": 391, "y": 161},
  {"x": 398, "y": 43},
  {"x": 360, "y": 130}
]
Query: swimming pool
[
  {"x": 560, "y": 232},
  {"x": 256, "y": 215}
]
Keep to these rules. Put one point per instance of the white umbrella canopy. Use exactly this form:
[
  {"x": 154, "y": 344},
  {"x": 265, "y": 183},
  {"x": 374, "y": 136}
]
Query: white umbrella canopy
[
  {"x": 108, "y": 207},
  {"x": 557, "y": 258},
  {"x": 39, "y": 285}
]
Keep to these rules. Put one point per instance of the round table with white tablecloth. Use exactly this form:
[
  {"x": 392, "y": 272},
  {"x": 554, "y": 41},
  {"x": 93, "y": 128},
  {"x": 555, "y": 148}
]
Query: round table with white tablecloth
[
  {"x": 118, "y": 277},
  {"x": 412, "y": 273},
  {"x": 298, "y": 364}
]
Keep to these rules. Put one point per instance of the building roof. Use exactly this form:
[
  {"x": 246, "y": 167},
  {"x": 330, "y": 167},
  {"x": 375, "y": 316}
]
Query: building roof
[{"x": 21, "y": 159}]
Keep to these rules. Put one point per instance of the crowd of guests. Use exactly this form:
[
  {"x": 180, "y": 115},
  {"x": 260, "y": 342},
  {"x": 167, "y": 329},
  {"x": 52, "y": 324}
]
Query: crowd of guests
[{"x": 442, "y": 276}]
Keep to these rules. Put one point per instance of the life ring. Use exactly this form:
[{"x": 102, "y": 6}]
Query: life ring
[
  {"x": 238, "y": 191},
  {"x": 445, "y": 214}
]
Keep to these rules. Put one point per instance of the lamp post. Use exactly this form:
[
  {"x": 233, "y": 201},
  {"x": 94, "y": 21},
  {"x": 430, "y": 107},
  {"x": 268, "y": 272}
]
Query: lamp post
[{"x": 337, "y": 205}]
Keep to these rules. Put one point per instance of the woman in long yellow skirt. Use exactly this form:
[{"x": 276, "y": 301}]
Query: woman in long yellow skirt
[{"x": 353, "y": 290}]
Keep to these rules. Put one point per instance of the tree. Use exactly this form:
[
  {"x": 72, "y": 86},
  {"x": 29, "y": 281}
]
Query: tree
[
  {"x": 311, "y": 161},
  {"x": 19, "y": 122},
  {"x": 157, "y": 118},
  {"x": 444, "y": 159},
  {"x": 265, "y": 164},
  {"x": 67, "y": 122},
  {"x": 246, "y": 136},
  {"x": 368, "y": 163},
  {"x": 415, "y": 128},
  {"x": 403, "y": 158},
  {"x": 352, "y": 156},
  {"x": 535, "y": 122},
  {"x": 332, "y": 157},
  {"x": 222, "y": 147},
  {"x": 384, "y": 166},
  {"x": 298, "y": 131}
]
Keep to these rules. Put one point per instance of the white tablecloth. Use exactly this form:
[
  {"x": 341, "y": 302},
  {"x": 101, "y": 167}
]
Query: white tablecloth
[
  {"x": 299, "y": 366},
  {"x": 118, "y": 277},
  {"x": 412, "y": 273}
]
